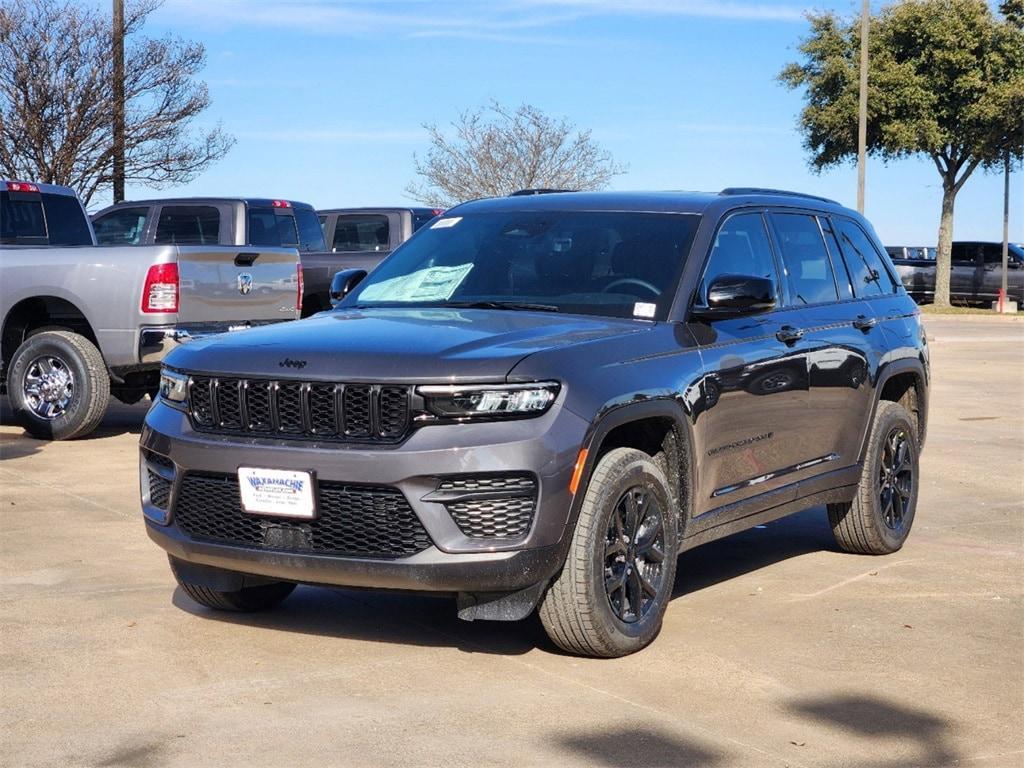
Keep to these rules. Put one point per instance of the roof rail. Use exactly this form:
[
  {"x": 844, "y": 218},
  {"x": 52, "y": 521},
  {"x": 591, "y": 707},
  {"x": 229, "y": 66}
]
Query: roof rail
[
  {"x": 539, "y": 191},
  {"x": 763, "y": 191}
]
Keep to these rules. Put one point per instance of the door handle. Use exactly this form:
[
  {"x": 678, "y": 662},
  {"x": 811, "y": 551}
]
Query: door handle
[
  {"x": 246, "y": 259},
  {"x": 789, "y": 335},
  {"x": 865, "y": 323}
]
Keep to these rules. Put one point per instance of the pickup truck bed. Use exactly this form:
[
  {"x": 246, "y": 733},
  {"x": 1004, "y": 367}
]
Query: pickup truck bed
[{"x": 79, "y": 323}]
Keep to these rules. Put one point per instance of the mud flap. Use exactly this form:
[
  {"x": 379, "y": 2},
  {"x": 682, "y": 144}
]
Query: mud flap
[{"x": 499, "y": 606}]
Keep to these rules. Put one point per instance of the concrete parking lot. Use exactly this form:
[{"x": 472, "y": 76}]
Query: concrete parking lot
[{"x": 777, "y": 650}]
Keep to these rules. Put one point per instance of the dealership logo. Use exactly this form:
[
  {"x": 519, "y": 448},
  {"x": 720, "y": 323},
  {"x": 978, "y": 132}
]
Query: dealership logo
[
  {"x": 289, "y": 363},
  {"x": 245, "y": 283}
]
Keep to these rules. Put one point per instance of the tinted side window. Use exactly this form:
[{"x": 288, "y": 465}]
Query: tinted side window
[
  {"x": 808, "y": 267},
  {"x": 867, "y": 272},
  {"x": 741, "y": 248},
  {"x": 311, "y": 236},
  {"x": 121, "y": 227},
  {"x": 286, "y": 230},
  {"x": 419, "y": 218},
  {"x": 21, "y": 216},
  {"x": 964, "y": 253},
  {"x": 361, "y": 233},
  {"x": 188, "y": 225},
  {"x": 993, "y": 254},
  {"x": 66, "y": 221},
  {"x": 263, "y": 227},
  {"x": 843, "y": 279}
]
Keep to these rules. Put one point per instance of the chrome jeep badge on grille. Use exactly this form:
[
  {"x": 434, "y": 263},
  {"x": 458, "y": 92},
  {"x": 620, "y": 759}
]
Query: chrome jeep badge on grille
[{"x": 245, "y": 283}]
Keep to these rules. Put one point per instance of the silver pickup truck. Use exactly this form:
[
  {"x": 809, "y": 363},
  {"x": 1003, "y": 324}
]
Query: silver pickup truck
[
  {"x": 244, "y": 222},
  {"x": 82, "y": 322}
]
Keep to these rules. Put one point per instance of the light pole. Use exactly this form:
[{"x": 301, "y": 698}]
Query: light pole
[
  {"x": 862, "y": 117},
  {"x": 1001, "y": 302},
  {"x": 117, "y": 36}
]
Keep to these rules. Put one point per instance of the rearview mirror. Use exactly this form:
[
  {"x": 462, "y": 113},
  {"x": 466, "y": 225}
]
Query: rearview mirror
[
  {"x": 343, "y": 283},
  {"x": 736, "y": 295}
]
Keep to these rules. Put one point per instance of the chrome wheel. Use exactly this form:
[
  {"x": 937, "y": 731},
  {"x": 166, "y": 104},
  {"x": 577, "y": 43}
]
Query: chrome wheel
[
  {"x": 634, "y": 555},
  {"x": 896, "y": 479},
  {"x": 48, "y": 387}
]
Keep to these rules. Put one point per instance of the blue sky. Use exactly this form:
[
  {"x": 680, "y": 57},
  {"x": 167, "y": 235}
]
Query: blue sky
[{"x": 327, "y": 97}]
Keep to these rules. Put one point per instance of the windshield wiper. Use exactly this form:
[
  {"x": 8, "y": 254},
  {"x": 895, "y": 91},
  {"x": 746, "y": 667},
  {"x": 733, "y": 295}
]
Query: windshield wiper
[{"x": 513, "y": 305}]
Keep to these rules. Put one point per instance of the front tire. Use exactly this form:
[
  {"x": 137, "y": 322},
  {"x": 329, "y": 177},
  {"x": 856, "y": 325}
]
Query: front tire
[
  {"x": 879, "y": 518},
  {"x": 611, "y": 596},
  {"x": 58, "y": 385},
  {"x": 244, "y": 600}
]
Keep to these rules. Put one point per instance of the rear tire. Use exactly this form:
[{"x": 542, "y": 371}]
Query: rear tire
[
  {"x": 879, "y": 518},
  {"x": 58, "y": 385},
  {"x": 611, "y": 596},
  {"x": 244, "y": 600}
]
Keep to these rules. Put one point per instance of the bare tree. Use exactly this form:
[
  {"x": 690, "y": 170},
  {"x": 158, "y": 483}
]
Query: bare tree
[
  {"x": 56, "y": 99},
  {"x": 495, "y": 151}
]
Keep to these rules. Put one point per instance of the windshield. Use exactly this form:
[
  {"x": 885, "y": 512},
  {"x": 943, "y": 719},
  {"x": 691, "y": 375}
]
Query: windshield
[{"x": 599, "y": 263}]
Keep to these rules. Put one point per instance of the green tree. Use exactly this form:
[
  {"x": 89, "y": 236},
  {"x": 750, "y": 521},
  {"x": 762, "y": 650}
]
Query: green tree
[{"x": 946, "y": 80}]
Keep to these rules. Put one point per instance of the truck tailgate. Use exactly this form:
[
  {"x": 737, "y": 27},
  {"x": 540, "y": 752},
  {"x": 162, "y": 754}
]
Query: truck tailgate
[{"x": 231, "y": 284}]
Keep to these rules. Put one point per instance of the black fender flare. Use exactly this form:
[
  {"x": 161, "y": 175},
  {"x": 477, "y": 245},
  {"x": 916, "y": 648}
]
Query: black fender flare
[
  {"x": 887, "y": 371},
  {"x": 618, "y": 415}
]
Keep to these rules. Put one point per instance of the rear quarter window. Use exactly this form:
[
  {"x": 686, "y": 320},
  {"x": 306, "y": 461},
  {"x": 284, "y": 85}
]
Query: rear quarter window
[{"x": 868, "y": 274}]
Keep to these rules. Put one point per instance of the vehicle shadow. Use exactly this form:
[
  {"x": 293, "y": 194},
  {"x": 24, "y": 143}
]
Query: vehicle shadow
[
  {"x": 872, "y": 717},
  {"x": 642, "y": 745},
  {"x": 424, "y": 619},
  {"x": 751, "y": 550}
]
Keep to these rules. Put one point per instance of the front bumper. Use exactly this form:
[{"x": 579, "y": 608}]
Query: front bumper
[{"x": 546, "y": 447}]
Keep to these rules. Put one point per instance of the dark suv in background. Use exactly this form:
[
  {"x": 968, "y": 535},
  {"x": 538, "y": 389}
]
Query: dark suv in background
[{"x": 537, "y": 402}]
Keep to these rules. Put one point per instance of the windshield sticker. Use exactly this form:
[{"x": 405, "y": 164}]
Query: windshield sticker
[
  {"x": 451, "y": 221},
  {"x": 430, "y": 284},
  {"x": 644, "y": 309}
]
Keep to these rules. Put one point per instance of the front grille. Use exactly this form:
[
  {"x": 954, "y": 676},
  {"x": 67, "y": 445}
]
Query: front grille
[
  {"x": 361, "y": 412},
  {"x": 490, "y": 506},
  {"x": 354, "y": 521}
]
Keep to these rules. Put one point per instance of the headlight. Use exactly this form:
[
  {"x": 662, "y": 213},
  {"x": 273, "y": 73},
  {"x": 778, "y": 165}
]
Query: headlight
[
  {"x": 489, "y": 400},
  {"x": 173, "y": 386}
]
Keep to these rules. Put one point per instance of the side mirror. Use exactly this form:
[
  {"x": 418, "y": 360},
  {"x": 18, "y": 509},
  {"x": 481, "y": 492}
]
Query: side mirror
[
  {"x": 343, "y": 283},
  {"x": 737, "y": 295}
]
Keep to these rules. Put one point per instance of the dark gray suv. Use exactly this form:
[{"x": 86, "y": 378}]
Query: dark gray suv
[{"x": 537, "y": 402}]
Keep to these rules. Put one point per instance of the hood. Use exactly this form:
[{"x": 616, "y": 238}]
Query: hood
[{"x": 400, "y": 345}]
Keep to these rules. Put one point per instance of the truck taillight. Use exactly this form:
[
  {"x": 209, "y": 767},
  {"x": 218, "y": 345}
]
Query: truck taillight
[
  {"x": 160, "y": 293},
  {"x": 301, "y": 285},
  {"x": 280, "y": 204},
  {"x": 21, "y": 186}
]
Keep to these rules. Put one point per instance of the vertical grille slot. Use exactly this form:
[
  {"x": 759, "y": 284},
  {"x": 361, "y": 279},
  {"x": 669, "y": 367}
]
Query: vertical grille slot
[
  {"x": 393, "y": 404},
  {"x": 200, "y": 400},
  {"x": 356, "y": 410},
  {"x": 228, "y": 402},
  {"x": 289, "y": 408},
  {"x": 257, "y": 402},
  {"x": 323, "y": 415}
]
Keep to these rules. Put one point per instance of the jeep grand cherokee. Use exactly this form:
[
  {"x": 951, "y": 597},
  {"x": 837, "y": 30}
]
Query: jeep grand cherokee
[{"x": 538, "y": 401}]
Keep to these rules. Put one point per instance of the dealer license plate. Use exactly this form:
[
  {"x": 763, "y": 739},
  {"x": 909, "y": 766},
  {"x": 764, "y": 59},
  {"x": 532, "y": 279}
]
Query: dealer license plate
[{"x": 277, "y": 492}]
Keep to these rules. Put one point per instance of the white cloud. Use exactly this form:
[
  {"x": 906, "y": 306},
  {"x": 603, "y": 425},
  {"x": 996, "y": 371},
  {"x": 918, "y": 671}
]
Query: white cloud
[{"x": 497, "y": 20}]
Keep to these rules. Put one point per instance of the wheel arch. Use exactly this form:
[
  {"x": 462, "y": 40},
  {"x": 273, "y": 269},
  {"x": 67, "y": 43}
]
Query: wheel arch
[
  {"x": 904, "y": 382},
  {"x": 36, "y": 312},
  {"x": 656, "y": 427}
]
